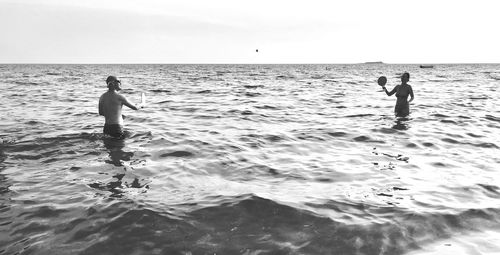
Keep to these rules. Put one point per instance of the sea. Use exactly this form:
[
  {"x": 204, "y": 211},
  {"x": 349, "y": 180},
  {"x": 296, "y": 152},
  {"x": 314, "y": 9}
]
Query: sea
[{"x": 250, "y": 159}]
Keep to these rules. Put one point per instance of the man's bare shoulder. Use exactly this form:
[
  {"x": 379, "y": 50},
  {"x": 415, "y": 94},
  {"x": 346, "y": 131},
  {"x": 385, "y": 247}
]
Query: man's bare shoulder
[
  {"x": 109, "y": 95},
  {"x": 121, "y": 97},
  {"x": 105, "y": 94},
  {"x": 101, "y": 98}
]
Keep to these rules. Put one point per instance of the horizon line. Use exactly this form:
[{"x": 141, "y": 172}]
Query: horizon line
[{"x": 354, "y": 63}]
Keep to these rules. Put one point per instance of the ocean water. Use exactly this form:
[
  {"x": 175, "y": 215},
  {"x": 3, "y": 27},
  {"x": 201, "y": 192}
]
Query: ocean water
[{"x": 250, "y": 159}]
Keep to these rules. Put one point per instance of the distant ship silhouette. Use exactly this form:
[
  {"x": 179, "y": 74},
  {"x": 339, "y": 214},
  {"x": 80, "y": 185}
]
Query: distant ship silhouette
[{"x": 426, "y": 66}]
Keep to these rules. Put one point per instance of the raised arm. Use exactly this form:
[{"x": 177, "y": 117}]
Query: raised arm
[
  {"x": 127, "y": 103},
  {"x": 392, "y": 91}
]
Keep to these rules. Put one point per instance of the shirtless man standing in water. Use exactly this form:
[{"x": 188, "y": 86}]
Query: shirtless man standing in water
[{"x": 110, "y": 106}]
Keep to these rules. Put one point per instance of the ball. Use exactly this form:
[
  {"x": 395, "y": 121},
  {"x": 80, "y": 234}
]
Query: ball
[{"x": 382, "y": 80}]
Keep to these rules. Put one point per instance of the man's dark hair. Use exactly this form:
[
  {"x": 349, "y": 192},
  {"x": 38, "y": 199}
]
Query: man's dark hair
[{"x": 110, "y": 79}]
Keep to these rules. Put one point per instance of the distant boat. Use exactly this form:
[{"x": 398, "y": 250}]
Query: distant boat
[
  {"x": 375, "y": 62},
  {"x": 426, "y": 66}
]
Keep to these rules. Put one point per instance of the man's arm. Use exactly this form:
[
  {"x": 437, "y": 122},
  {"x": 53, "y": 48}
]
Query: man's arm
[
  {"x": 127, "y": 103},
  {"x": 101, "y": 107}
]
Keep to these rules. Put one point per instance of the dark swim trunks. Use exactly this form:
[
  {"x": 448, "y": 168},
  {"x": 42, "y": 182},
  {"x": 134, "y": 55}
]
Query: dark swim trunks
[{"x": 114, "y": 130}]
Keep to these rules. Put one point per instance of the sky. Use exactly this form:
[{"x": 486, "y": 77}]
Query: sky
[{"x": 230, "y": 31}]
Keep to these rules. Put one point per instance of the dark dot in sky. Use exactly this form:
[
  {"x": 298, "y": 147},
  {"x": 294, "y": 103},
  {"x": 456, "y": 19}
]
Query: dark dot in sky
[{"x": 257, "y": 50}]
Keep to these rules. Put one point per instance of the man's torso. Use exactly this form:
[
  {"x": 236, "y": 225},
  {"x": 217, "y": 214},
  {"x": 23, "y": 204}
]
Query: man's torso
[{"x": 111, "y": 104}]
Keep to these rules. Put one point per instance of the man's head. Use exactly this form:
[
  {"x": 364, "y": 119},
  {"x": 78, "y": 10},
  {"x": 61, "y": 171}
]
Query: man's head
[{"x": 113, "y": 83}]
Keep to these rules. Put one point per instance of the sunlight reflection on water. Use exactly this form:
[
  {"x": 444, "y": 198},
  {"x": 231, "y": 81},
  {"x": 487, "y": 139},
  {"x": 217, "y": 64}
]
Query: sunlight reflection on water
[{"x": 301, "y": 159}]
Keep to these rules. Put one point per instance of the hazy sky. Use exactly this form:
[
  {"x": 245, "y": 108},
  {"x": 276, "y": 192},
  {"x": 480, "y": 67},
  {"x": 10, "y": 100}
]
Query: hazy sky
[{"x": 220, "y": 31}]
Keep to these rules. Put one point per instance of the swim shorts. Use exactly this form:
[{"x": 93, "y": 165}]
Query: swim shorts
[{"x": 114, "y": 130}]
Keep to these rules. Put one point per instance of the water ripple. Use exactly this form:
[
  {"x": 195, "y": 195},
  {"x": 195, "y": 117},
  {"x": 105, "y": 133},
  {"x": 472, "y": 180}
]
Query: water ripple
[{"x": 248, "y": 159}]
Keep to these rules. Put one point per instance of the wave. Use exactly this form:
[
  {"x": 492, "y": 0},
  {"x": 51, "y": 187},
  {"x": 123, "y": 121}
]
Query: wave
[
  {"x": 492, "y": 118},
  {"x": 182, "y": 154},
  {"x": 285, "y": 77},
  {"x": 360, "y": 115},
  {"x": 160, "y": 90},
  {"x": 249, "y": 224},
  {"x": 252, "y": 94},
  {"x": 205, "y": 91},
  {"x": 27, "y": 83},
  {"x": 479, "y": 144},
  {"x": 253, "y": 86},
  {"x": 363, "y": 138}
]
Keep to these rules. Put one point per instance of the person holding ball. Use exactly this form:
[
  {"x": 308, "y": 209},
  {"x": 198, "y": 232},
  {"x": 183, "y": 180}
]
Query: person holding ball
[{"x": 402, "y": 108}]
